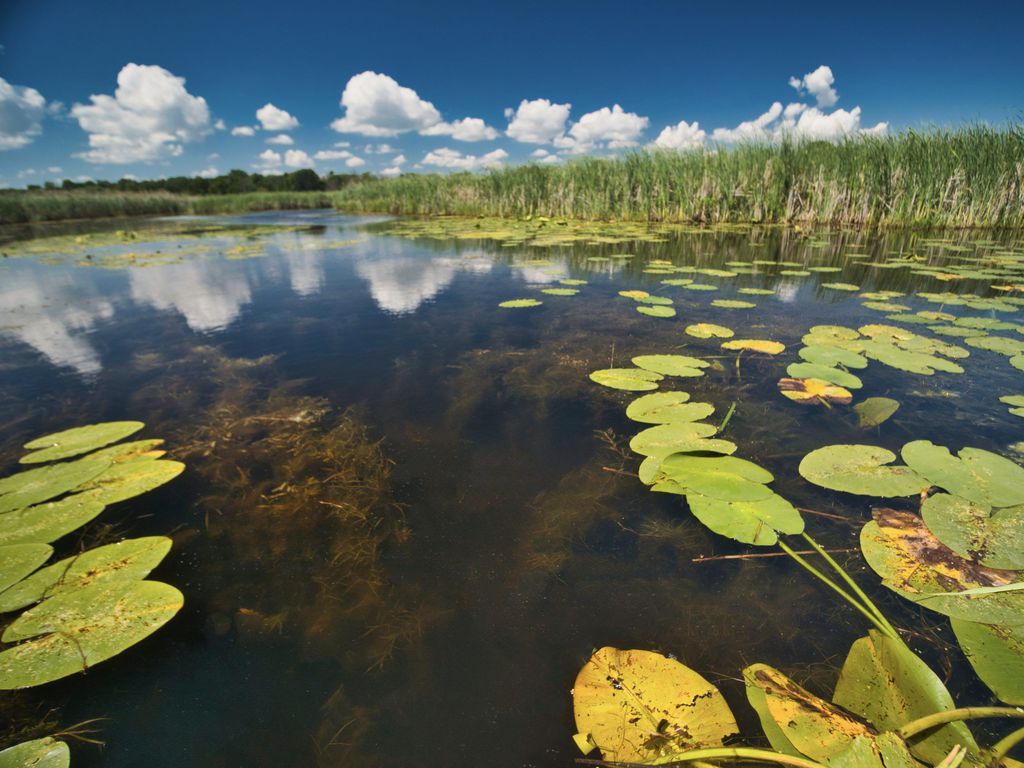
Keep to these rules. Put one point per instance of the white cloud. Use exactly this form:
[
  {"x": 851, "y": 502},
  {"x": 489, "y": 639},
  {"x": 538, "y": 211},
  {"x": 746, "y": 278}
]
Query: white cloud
[
  {"x": 243, "y": 130},
  {"x": 274, "y": 119},
  {"x": 537, "y": 122},
  {"x": 374, "y": 149},
  {"x": 451, "y": 158},
  {"x": 21, "y": 114},
  {"x": 819, "y": 84},
  {"x": 343, "y": 144},
  {"x": 798, "y": 121},
  {"x": 269, "y": 160},
  {"x": 467, "y": 129},
  {"x": 332, "y": 154},
  {"x": 398, "y": 160},
  {"x": 281, "y": 138},
  {"x": 296, "y": 158},
  {"x": 208, "y": 296},
  {"x": 543, "y": 156},
  {"x": 376, "y": 105},
  {"x": 149, "y": 117},
  {"x": 612, "y": 128},
  {"x": 394, "y": 170},
  {"x": 750, "y": 130},
  {"x": 681, "y": 137},
  {"x": 207, "y": 173},
  {"x": 220, "y": 125},
  {"x": 355, "y": 162},
  {"x": 54, "y": 169}
]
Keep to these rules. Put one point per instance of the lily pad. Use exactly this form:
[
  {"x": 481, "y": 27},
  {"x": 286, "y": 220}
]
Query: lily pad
[
  {"x": 42, "y": 483},
  {"x": 138, "y": 450},
  {"x": 860, "y": 469},
  {"x": 120, "y": 482},
  {"x": 841, "y": 286},
  {"x": 40, "y": 753},
  {"x": 634, "y": 294},
  {"x": 520, "y": 303},
  {"x": 875, "y": 411},
  {"x": 657, "y": 311},
  {"x": 19, "y": 560},
  {"x": 755, "y": 345},
  {"x": 560, "y": 291},
  {"x": 732, "y": 304},
  {"x": 825, "y": 373},
  {"x": 48, "y": 521},
  {"x": 128, "y": 560},
  {"x": 639, "y": 706},
  {"x": 667, "y": 408},
  {"x": 814, "y": 392},
  {"x": 671, "y": 365},
  {"x": 751, "y": 522},
  {"x": 974, "y": 531},
  {"x": 977, "y": 475},
  {"x": 832, "y": 356},
  {"x": 72, "y": 442},
  {"x": 77, "y": 630},
  {"x": 664, "y": 439},
  {"x": 997, "y": 655},
  {"x": 726, "y": 478},
  {"x": 629, "y": 379},
  {"x": 709, "y": 330}
]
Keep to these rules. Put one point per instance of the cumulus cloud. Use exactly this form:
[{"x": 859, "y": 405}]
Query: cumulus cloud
[
  {"x": 373, "y": 149},
  {"x": 799, "y": 121},
  {"x": 376, "y": 105},
  {"x": 355, "y": 162},
  {"x": 757, "y": 129},
  {"x": 613, "y": 128},
  {"x": 537, "y": 122},
  {"x": 281, "y": 138},
  {"x": 150, "y": 116},
  {"x": 243, "y": 130},
  {"x": 333, "y": 154},
  {"x": 543, "y": 156},
  {"x": 274, "y": 119},
  {"x": 21, "y": 115},
  {"x": 818, "y": 84},
  {"x": 467, "y": 129},
  {"x": 207, "y": 173},
  {"x": 296, "y": 158},
  {"x": 269, "y": 160},
  {"x": 453, "y": 159},
  {"x": 396, "y": 166},
  {"x": 681, "y": 137}
]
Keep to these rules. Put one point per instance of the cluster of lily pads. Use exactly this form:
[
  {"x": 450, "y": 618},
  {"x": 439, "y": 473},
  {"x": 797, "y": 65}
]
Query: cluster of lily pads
[{"x": 90, "y": 606}]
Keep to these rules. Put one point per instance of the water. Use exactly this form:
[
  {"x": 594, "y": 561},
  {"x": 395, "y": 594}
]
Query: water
[{"x": 428, "y": 601}]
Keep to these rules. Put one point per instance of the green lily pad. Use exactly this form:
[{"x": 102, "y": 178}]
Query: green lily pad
[
  {"x": 700, "y": 287},
  {"x": 671, "y": 365},
  {"x": 832, "y": 356},
  {"x": 520, "y": 303},
  {"x": 751, "y": 522},
  {"x": 138, "y": 450},
  {"x": 889, "y": 686},
  {"x": 886, "y": 306},
  {"x": 128, "y": 560},
  {"x": 824, "y": 373},
  {"x": 726, "y": 478},
  {"x": 560, "y": 291},
  {"x": 732, "y": 304},
  {"x": 841, "y": 286},
  {"x": 657, "y": 311},
  {"x": 997, "y": 655},
  {"x": 77, "y": 630},
  {"x": 756, "y": 291},
  {"x": 126, "y": 480},
  {"x": 977, "y": 475},
  {"x": 1017, "y": 361},
  {"x": 42, "y": 483},
  {"x": 19, "y": 560},
  {"x": 48, "y": 521},
  {"x": 40, "y": 753},
  {"x": 72, "y": 442},
  {"x": 974, "y": 531},
  {"x": 875, "y": 411},
  {"x": 667, "y": 408},
  {"x": 1001, "y": 344},
  {"x": 663, "y": 301},
  {"x": 664, "y": 439},
  {"x": 860, "y": 469},
  {"x": 755, "y": 345},
  {"x": 630, "y": 379},
  {"x": 709, "y": 330}
]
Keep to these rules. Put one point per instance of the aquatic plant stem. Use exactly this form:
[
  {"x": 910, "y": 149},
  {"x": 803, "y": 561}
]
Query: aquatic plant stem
[
  {"x": 1002, "y": 747},
  {"x": 717, "y": 753},
  {"x": 838, "y": 590},
  {"x": 852, "y": 584},
  {"x": 725, "y": 421},
  {"x": 926, "y": 723}
]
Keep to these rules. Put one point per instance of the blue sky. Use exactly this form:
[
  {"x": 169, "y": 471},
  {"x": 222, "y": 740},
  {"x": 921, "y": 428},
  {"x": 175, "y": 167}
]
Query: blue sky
[{"x": 95, "y": 89}]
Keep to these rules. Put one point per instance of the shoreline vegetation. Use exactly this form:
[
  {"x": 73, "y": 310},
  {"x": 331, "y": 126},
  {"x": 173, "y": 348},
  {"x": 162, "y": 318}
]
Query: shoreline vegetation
[{"x": 970, "y": 177}]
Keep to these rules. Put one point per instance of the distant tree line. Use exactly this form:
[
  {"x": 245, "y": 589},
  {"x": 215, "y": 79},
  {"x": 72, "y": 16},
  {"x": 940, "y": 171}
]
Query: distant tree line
[{"x": 231, "y": 183}]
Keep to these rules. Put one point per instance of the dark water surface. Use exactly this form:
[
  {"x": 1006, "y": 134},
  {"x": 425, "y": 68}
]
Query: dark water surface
[{"x": 429, "y": 600}]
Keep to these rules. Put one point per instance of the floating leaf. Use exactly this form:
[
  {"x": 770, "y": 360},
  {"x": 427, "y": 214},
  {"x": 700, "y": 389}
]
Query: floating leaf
[
  {"x": 1017, "y": 361},
  {"x": 841, "y": 286},
  {"x": 832, "y": 356},
  {"x": 640, "y": 705},
  {"x": 560, "y": 291},
  {"x": 726, "y": 478},
  {"x": 49, "y": 521},
  {"x": 520, "y": 303},
  {"x": 814, "y": 391},
  {"x": 875, "y": 411},
  {"x": 669, "y": 438},
  {"x": 889, "y": 686},
  {"x": 667, "y": 408},
  {"x": 42, "y": 483},
  {"x": 824, "y": 373},
  {"x": 732, "y": 304},
  {"x": 860, "y": 469},
  {"x": 128, "y": 479},
  {"x": 657, "y": 311},
  {"x": 72, "y": 442},
  {"x": 1000, "y": 344},
  {"x": 709, "y": 330},
  {"x": 886, "y": 306},
  {"x": 40, "y": 753},
  {"x": 630, "y": 379},
  {"x": 750, "y": 522},
  {"x": 572, "y": 281},
  {"x": 139, "y": 450},
  {"x": 634, "y": 294},
  {"x": 128, "y": 560},
  {"x": 997, "y": 655},
  {"x": 755, "y": 345},
  {"x": 671, "y": 365},
  {"x": 77, "y": 630},
  {"x": 973, "y": 531},
  {"x": 977, "y": 475},
  {"x": 19, "y": 560},
  {"x": 757, "y": 291}
]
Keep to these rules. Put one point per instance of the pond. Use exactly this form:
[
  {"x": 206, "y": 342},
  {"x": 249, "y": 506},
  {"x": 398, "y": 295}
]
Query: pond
[{"x": 409, "y": 516}]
